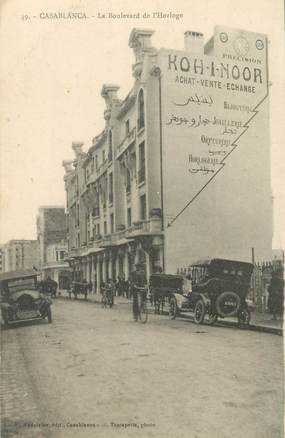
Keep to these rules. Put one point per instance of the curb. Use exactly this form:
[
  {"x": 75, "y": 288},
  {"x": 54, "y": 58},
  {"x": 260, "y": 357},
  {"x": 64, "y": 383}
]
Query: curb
[
  {"x": 252, "y": 327},
  {"x": 255, "y": 327}
]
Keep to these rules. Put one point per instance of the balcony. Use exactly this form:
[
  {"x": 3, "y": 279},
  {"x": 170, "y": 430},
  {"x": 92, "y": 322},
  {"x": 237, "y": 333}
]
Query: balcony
[
  {"x": 128, "y": 140},
  {"x": 142, "y": 228}
]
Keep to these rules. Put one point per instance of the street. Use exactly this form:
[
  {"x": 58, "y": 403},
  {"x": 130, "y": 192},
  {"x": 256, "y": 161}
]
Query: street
[{"x": 96, "y": 372}]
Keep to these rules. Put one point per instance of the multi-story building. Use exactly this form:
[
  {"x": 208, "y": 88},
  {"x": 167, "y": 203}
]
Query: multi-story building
[
  {"x": 2, "y": 266},
  {"x": 51, "y": 233},
  {"x": 182, "y": 168},
  {"x": 20, "y": 255}
]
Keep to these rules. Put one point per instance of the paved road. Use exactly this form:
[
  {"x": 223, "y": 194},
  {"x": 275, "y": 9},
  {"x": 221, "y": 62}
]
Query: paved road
[{"x": 94, "y": 372}]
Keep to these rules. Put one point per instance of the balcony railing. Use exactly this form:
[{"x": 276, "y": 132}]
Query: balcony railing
[
  {"x": 139, "y": 229},
  {"x": 152, "y": 226}
]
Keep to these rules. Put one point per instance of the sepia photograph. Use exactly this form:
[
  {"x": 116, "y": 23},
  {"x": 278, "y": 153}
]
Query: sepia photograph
[{"x": 142, "y": 218}]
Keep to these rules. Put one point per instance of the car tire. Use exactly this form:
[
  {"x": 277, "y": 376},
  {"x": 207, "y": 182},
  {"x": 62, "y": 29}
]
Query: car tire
[
  {"x": 212, "y": 319},
  {"x": 244, "y": 318},
  {"x": 49, "y": 317},
  {"x": 199, "y": 312},
  {"x": 222, "y": 297},
  {"x": 5, "y": 324},
  {"x": 172, "y": 312}
]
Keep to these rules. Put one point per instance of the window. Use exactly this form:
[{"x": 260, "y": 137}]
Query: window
[
  {"x": 96, "y": 162},
  {"x": 77, "y": 212},
  {"x": 128, "y": 181},
  {"x": 141, "y": 110},
  {"x": 103, "y": 155},
  {"x": 127, "y": 126},
  {"x": 98, "y": 229},
  {"x": 112, "y": 222},
  {"x": 141, "y": 172},
  {"x": 129, "y": 217},
  {"x": 110, "y": 152},
  {"x": 77, "y": 185},
  {"x": 143, "y": 207},
  {"x": 111, "y": 194},
  {"x": 105, "y": 227}
]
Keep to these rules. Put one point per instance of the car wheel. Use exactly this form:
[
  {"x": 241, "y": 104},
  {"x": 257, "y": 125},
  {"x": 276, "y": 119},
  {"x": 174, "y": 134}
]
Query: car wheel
[
  {"x": 172, "y": 308},
  {"x": 221, "y": 304},
  {"x": 5, "y": 323},
  {"x": 244, "y": 318},
  {"x": 49, "y": 317},
  {"x": 212, "y": 318},
  {"x": 199, "y": 312}
]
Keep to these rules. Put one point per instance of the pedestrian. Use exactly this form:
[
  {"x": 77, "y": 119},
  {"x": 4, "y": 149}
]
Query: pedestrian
[
  {"x": 126, "y": 288},
  {"x": 138, "y": 281},
  {"x": 102, "y": 287},
  {"x": 276, "y": 294},
  {"x": 110, "y": 290}
]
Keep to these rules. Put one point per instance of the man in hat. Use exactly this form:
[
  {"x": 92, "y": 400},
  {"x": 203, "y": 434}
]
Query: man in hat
[{"x": 138, "y": 281}]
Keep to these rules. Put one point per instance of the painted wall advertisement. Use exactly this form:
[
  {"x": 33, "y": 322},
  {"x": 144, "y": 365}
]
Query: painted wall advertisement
[{"x": 215, "y": 139}]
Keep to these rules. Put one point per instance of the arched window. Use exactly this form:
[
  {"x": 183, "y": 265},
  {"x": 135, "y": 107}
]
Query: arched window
[
  {"x": 141, "y": 110},
  {"x": 110, "y": 152}
]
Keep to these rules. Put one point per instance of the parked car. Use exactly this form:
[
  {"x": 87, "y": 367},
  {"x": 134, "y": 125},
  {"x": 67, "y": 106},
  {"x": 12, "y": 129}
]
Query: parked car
[
  {"x": 48, "y": 286},
  {"x": 219, "y": 289},
  {"x": 162, "y": 288},
  {"x": 79, "y": 288},
  {"x": 20, "y": 299}
]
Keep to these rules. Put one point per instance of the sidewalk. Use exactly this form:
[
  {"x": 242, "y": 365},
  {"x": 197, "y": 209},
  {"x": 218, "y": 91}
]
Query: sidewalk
[{"x": 261, "y": 322}]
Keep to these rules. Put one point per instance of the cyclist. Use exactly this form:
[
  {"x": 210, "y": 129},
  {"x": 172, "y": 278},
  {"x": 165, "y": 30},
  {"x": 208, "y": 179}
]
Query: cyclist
[
  {"x": 138, "y": 281},
  {"x": 110, "y": 292}
]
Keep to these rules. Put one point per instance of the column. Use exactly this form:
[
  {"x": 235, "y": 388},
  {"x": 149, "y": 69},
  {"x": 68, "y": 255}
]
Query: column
[
  {"x": 104, "y": 269},
  {"x": 117, "y": 263},
  {"x": 147, "y": 262},
  {"x": 86, "y": 276},
  {"x": 110, "y": 266},
  {"x": 126, "y": 265},
  {"x": 98, "y": 272},
  {"x": 94, "y": 274}
]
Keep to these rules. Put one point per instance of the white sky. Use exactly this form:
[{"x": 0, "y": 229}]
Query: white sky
[{"x": 52, "y": 72}]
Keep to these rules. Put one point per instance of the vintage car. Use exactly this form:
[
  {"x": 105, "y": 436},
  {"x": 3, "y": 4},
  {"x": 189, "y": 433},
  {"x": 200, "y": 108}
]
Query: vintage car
[
  {"x": 219, "y": 289},
  {"x": 79, "y": 288},
  {"x": 162, "y": 288},
  {"x": 20, "y": 299},
  {"x": 48, "y": 286}
]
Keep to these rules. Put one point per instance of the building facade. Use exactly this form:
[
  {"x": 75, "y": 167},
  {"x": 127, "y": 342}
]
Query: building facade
[
  {"x": 2, "y": 263},
  {"x": 20, "y": 255},
  {"x": 182, "y": 168},
  {"x": 51, "y": 234}
]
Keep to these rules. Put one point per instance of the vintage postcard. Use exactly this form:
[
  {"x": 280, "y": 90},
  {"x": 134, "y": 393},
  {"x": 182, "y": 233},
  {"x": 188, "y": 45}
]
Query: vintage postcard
[{"x": 142, "y": 218}]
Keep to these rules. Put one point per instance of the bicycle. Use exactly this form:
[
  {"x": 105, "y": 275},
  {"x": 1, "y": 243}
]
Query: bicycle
[
  {"x": 142, "y": 304},
  {"x": 107, "y": 299}
]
